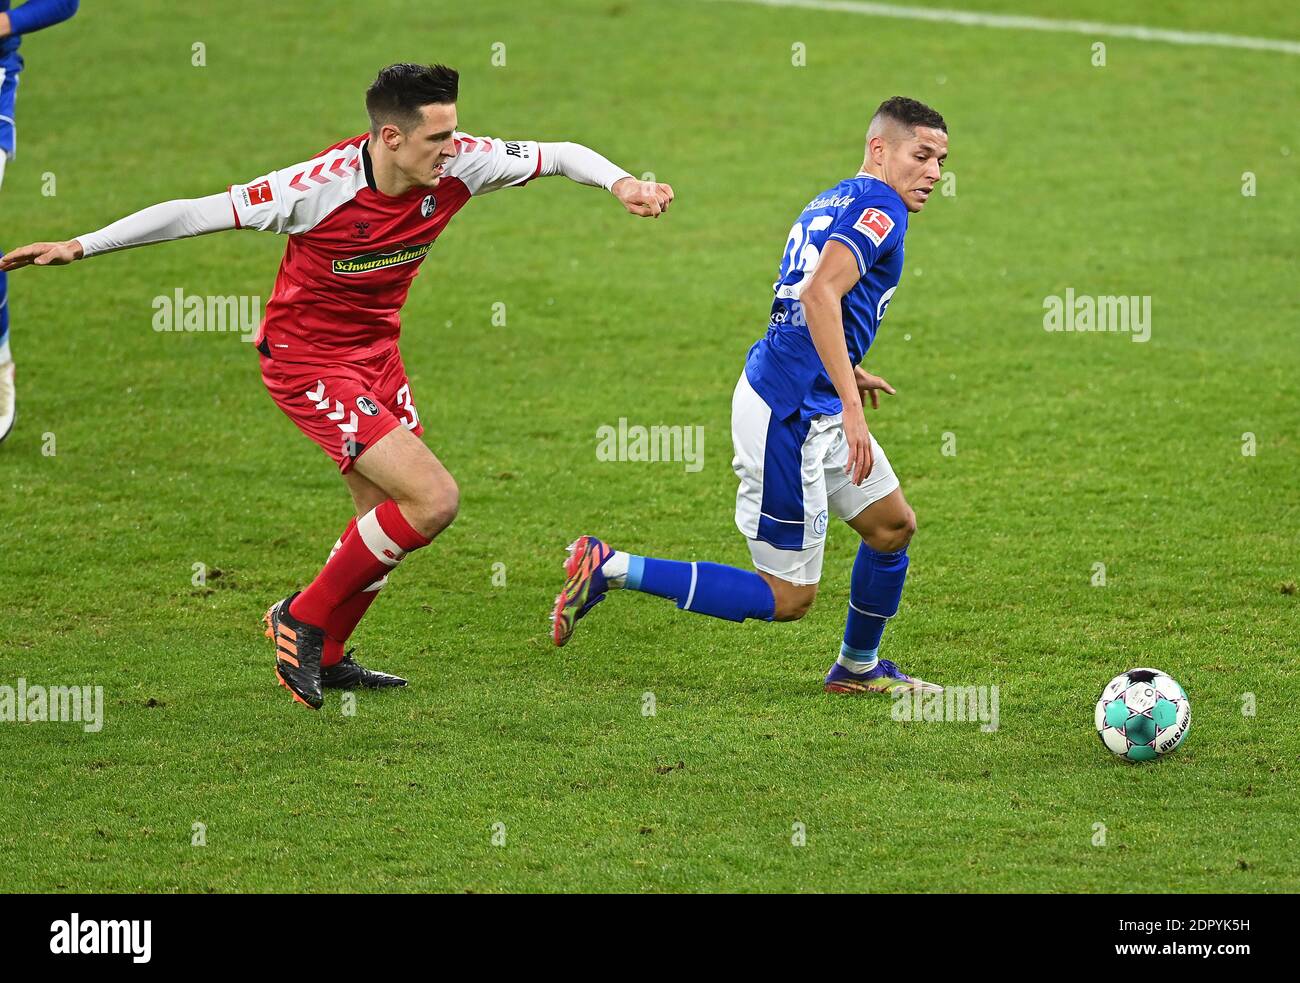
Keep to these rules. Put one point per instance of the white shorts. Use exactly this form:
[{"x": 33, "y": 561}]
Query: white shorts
[{"x": 791, "y": 478}]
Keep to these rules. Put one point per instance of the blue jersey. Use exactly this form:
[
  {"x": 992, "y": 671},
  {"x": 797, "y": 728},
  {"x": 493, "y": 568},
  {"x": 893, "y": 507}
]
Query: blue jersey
[
  {"x": 869, "y": 219},
  {"x": 34, "y": 15}
]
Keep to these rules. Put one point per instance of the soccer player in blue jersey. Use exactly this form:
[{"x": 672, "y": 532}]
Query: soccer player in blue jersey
[
  {"x": 31, "y": 16},
  {"x": 802, "y": 447}
]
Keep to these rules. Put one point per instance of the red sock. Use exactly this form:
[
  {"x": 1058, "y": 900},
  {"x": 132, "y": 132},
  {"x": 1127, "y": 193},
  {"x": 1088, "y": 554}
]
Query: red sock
[
  {"x": 333, "y": 653},
  {"x": 382, "y": 537},
  {"x": 345, "y": 618},
  {"x": 342, "y": 622}
]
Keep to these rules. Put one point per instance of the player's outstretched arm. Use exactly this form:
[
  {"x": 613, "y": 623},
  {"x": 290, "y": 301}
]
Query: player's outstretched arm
[
  {"x": 157, "y": 223},
  {"x": 36, "y": 15},
  {"x": 583, "y": 165},
  {"x": 486, "y": 164}
]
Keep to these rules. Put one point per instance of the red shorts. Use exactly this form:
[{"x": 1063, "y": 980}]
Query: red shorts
[{"x": 346, "y": 407}]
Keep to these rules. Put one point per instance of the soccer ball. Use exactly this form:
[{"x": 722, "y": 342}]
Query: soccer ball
[{"x": 1143, "y": 714}]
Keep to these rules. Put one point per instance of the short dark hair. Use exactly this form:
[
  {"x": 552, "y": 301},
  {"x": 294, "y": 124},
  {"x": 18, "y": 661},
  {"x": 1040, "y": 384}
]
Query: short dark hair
[
  {"x": 399, "y": 91},
  {"x": 909, "y": 113}
]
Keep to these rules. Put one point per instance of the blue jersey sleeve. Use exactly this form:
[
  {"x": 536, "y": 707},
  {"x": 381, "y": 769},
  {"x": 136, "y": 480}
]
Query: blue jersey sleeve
[
  {"x": 35, "y": 15},
  {"x": 870, "y": 231}
]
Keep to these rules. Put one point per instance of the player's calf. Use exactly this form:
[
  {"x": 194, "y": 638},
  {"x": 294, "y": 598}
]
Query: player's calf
[
  {"x": 792, "y": 601},
  {"x": 382, "y": 539}
]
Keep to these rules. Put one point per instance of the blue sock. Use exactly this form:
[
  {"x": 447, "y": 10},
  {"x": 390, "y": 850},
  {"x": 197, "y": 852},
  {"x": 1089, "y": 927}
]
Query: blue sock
[
  {"x": 874, "y": 593},
  {"x": 705, "y": 588}
]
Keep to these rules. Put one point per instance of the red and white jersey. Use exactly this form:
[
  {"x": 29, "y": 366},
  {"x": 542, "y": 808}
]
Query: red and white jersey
[{"x": 353, "y": 250}]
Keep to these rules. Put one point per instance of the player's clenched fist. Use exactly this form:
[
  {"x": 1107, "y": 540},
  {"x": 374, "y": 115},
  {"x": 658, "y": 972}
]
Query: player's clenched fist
[
  {"x": 42, "y": 254},
  {"x": 647, "y": 198}
]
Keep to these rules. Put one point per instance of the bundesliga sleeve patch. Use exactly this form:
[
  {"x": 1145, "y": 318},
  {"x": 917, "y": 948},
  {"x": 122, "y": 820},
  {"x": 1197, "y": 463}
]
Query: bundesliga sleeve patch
[
  {"x": 874, "y": 224},
  {"x": 260, "y": 193}
]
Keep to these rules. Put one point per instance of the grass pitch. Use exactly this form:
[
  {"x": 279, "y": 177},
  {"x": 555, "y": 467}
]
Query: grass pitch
[{"x": 1071, "y": 450}]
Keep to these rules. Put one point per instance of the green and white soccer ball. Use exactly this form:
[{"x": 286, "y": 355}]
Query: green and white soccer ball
[{"x": 1143, "y": 714}]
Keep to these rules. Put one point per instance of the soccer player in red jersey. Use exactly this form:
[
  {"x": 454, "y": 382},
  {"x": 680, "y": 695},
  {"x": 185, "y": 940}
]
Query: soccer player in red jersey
[{"x": 360, "y": 216}]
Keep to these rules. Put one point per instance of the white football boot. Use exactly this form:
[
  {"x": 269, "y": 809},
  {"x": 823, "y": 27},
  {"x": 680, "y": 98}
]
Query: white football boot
[{"x": 8, "y": 410}]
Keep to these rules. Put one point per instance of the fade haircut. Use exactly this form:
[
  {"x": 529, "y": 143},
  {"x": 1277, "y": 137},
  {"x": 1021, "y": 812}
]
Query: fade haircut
[
  {"x": 904, "y": 112},
  {"x": 400, "y": 90}
]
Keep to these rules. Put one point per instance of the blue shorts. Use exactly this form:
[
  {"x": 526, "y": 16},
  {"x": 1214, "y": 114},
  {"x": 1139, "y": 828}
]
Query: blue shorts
[{"x": 8, "y": 96}]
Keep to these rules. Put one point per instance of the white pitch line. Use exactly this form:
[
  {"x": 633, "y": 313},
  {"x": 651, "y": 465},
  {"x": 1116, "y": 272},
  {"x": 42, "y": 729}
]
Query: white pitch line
[{"x": 1022, "y": 23}]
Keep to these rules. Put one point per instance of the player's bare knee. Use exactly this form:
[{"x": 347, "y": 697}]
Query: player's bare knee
[
  {"x": 434, "y": 504},
  {"x": 894, "y": 535},
  {"x": 906, "y": 529},
  {"x": 443, "y": 504}
]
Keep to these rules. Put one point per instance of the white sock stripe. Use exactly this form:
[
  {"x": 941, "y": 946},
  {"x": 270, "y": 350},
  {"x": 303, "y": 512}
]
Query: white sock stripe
[
  {"x": 338, "y": 545},
  {"x": 378, "y": 585},
  {"x": 857, "y": 665},
  {"x": 377, "y": 541},
  {"x": 869, "y": 614},
  {"x": 690, "y": 595}
]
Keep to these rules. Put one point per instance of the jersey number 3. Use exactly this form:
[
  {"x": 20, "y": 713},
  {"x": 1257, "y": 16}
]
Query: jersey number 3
[{"x": 410, "y": 419}]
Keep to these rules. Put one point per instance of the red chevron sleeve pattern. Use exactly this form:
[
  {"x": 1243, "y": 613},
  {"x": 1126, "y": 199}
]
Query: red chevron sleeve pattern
[
  {"x": 296, "y": 199},
  {"x": 487, "y": 164}
]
